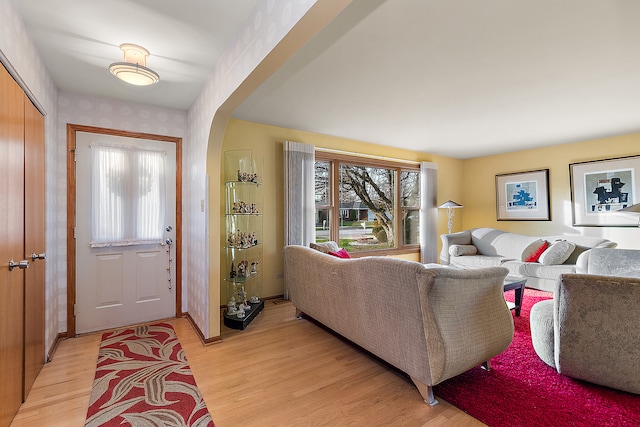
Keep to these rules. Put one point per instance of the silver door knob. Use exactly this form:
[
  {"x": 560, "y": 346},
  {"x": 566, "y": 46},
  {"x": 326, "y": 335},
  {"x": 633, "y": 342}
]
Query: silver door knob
[
  {"x": 20, "y": 264},
  {"x": 35, "y": 256},
  {"x": 169, "y": 241}
]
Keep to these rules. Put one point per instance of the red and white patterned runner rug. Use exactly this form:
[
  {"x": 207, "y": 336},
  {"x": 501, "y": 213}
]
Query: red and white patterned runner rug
[{"x": 143, "y": 379}]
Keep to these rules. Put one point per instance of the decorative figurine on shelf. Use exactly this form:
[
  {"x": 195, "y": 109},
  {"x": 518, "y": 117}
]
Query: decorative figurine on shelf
[
  {"x": 242, "y": 240},
  {"x": 254, "y": 209},
  {"x": 255, "y": 299},
  {"x": 231, "y": 307},
  {"x": 242, "y": 268},
  {"x": 254, "y": 267},
  {"x": 241, "y": 207},
  {"x": 247, "y": 177},
  {"x": 233, "y": 270}
]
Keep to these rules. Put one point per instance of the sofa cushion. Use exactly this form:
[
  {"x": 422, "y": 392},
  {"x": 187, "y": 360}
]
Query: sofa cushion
[
  {"x": 462, "y": 250},
  {"x": 532, "y": 252},
  {"x": 494, "y": 242},
  {"x": 557, "y": 253},
  {"x": 583, "y": 244},
  {"x": 551, "y": 272},
  {"x": 325, "y": 247},
  {"x": 477, "y": 261}
]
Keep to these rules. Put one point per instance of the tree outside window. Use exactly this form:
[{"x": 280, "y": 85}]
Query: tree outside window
[{"x": 362, "y": 205}]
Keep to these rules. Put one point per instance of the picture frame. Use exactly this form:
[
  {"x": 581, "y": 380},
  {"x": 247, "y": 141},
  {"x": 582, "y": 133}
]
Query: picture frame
[
  {"x": 599, "y": 188},
  {"x": 523, "y": 196}
]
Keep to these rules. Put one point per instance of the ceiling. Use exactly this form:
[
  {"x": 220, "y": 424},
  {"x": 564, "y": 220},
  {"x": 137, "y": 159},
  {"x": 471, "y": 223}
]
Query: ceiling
[
  {"x": 78, "y": 39},
  {"x": 461, "y": 78}
]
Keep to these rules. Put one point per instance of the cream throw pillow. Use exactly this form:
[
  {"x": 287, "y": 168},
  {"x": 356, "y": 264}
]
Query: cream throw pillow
[
  {"x": 461, "y": 250},
  {"x": 325, "y": 247},
  {"x": 557, "y": 253}
]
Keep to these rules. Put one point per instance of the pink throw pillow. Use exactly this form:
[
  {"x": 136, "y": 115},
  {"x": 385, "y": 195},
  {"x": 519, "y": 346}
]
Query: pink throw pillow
[
  {"x": 537, "y": 252},
  {"x": 342, "y": 253}
]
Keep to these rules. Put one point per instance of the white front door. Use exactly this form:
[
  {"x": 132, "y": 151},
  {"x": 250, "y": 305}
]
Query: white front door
[{"x": 130, "y": 283}]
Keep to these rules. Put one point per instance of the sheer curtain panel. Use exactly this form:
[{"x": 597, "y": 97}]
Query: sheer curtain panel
[
  {"x": 299, "y": 204},
  {"x": 127, "y": 196},
  {"x": 428, "y": 212}
]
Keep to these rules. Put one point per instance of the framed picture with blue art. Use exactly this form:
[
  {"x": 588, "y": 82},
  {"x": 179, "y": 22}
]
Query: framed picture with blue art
[
  {"x": 601, "y": 188},
  {"x": 523, "y": 196}
]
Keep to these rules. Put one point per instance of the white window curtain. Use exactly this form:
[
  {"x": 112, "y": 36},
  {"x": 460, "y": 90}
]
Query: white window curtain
[
  {"x": 128, "y": 196},
  {"x": 428, "y": 212},
  {"x": 299, "y": 176}
]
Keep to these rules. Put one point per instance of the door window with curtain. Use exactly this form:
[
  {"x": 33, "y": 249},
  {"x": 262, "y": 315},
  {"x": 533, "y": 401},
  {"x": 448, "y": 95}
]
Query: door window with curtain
[{"x": 128, "y": 196}]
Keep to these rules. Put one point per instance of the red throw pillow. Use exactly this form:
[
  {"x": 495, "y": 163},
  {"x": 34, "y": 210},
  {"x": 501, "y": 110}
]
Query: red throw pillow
[
  {"x": 536, "y": 254},
  {"x": 342, "y": 253}
]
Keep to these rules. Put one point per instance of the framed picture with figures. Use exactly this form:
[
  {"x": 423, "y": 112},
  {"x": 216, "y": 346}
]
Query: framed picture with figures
[{"x": 601, "y": 188}]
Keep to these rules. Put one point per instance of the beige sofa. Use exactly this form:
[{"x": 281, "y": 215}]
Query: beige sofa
[
  {"x": 431, "y": 323},
  {"x": 590, "y": 330},
  {"x": 500, "y": 248}
]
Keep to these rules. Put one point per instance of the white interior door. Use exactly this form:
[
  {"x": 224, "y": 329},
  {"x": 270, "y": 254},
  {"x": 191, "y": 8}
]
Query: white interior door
[{"x": 121, "y": 285}]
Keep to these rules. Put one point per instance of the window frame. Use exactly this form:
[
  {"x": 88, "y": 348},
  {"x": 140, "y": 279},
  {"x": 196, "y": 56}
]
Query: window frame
[{"x": 334, "y": 160}]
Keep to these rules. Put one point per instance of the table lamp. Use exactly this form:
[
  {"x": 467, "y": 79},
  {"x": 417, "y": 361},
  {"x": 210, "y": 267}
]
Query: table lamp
[{"x": 450, "y": 205}]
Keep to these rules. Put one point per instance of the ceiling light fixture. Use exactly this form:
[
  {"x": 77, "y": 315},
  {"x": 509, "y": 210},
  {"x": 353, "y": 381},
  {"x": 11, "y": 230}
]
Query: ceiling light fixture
[{"x": 134, "y": 68}]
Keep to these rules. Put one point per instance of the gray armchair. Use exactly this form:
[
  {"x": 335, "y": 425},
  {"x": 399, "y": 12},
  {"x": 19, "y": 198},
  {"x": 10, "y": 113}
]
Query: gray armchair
[{"x": 591, "y": 329}]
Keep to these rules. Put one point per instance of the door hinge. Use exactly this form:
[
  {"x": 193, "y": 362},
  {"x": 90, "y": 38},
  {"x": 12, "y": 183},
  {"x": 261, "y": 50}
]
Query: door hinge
[
  {"x": 74, "y": 232},
  {"x": 74, "y": 310}
]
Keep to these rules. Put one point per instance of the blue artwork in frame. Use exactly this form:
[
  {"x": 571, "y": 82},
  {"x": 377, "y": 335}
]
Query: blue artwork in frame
[{"x": 523, "y": 196}]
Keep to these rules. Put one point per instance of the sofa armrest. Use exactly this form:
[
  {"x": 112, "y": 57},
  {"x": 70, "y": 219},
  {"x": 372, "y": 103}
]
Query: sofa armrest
[
  {"x": 459, "y": 238},
  {"x": 582, "y": 263},
  {"x": 466, "y": 320},
  {"x": 595, "y": 329}
]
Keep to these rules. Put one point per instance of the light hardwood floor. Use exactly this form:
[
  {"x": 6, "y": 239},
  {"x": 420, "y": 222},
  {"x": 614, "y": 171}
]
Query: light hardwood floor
[{"x": 280, "y": 371}]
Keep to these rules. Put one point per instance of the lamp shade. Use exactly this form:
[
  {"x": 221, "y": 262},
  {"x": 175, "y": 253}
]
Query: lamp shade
[{"x": 450, "y": 204}]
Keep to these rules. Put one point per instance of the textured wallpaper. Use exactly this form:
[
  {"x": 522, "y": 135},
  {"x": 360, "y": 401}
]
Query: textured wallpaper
[{"x": 267, "y": 26}]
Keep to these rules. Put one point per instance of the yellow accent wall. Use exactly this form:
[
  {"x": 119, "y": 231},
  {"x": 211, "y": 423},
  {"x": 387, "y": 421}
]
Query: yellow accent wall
[
  {"x": 267, "y": 142},
  {"x": 479, "y": 193},
  {"x": 469, "y": 182}
]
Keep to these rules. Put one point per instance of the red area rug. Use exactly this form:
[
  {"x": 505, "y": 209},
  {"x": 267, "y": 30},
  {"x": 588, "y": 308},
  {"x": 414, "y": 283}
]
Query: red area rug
[
  {"x": 521, "y": 390},
  {"x": 143, "y": 379}
]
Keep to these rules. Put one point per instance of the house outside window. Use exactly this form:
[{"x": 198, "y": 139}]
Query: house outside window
[{"x": 367, "y": 204}]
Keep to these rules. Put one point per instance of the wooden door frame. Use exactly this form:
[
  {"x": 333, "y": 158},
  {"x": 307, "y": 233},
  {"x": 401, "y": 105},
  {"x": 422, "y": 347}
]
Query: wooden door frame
[{"x": 71, "y": 212}]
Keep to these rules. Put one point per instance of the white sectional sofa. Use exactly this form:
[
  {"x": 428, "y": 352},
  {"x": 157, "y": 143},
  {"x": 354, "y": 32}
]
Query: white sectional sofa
[{"x": 489, "y": 247}]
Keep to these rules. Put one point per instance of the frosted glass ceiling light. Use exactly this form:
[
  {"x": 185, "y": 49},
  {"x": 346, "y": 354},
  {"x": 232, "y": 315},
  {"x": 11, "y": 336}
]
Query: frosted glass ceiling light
[{"x": 133, "y": 69}]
